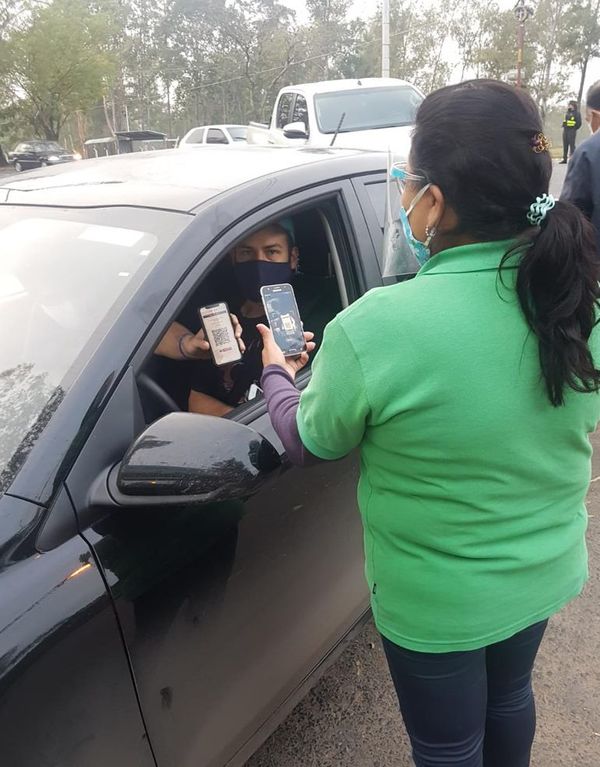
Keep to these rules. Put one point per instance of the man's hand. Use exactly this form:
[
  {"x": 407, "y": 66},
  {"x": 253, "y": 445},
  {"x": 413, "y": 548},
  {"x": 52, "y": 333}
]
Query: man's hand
[
  {"x": 179, "y": 343},
  {"x": 196, "y": 346},
  {"x": 272, "y": 354}
]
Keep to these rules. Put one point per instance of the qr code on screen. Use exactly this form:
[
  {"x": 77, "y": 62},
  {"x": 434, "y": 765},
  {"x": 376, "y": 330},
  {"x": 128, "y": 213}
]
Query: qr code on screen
[{"x": 220, "y": 336}]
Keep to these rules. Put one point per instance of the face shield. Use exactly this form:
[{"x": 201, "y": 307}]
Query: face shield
[{"x": 403, "y": 255}]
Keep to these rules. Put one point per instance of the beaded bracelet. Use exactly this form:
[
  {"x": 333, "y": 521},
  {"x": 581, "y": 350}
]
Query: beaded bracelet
[{"x": 182, "y": 351}]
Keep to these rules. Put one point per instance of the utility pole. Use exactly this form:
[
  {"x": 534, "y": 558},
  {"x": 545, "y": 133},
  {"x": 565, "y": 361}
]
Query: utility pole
[
  {"x": 522, "y": 13},
  {"x": 385, "y": 38}
]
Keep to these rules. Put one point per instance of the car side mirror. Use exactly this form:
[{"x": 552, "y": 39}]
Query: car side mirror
[
  {"x": 186, "y": 458},
  {"x": 295, "y": 130}
]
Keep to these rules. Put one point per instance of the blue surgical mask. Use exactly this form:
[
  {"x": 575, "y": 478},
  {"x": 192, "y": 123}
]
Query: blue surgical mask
[
  {"x": 406, "y": 239},
  {"x": 252, "y": 275}
]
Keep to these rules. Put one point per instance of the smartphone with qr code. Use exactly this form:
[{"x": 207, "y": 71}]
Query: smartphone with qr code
[
  {"x": 220, "y": 334},
  {"x": 284, "y": 318}
]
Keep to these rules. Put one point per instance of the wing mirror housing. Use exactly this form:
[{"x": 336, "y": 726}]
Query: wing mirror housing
[
  {"x": 295, "y": 130},
  {"x": 185, "y": 458}
]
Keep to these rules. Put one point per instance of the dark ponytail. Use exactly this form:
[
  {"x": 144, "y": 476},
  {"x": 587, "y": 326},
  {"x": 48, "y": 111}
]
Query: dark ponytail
[
  {"x": 481, "y": 142},
  {"x": 557, "y": 285}
]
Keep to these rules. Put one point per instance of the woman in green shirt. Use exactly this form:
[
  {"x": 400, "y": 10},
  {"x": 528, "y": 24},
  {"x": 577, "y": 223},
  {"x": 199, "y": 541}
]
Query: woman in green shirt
[{"x": 470, "y": 391}]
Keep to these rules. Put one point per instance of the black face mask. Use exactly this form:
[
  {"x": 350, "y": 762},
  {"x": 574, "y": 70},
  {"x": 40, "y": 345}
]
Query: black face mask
[{"x": 252, "y": 275}]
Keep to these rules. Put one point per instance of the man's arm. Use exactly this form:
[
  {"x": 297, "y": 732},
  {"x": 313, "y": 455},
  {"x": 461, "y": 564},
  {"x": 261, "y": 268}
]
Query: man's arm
[
  {"x": 578, "y": 183},
  {"x": 207, "y": 405},
  {"x": 178, "y": 343}
]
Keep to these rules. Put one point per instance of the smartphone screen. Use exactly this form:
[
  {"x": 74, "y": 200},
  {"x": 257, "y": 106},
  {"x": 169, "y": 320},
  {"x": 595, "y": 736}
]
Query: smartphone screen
[
  {"x": 220, "y": 333},
  {"x": 284, "y": 318}
]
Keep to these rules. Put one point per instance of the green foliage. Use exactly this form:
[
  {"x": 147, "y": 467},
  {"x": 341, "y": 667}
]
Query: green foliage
[
  {"x": 90, "y": 67},
  {"x": 56, "y": 65}
]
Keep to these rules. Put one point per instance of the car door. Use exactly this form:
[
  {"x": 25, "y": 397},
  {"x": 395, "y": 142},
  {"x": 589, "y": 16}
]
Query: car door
[
  {"x": 26, "y": 156},
  {"x": 66, "y": 693},
  {"x": 228, "y": 607}
]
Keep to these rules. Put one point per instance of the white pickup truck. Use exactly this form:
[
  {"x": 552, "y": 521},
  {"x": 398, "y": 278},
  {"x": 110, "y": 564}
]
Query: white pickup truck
[{"x": 371, "y": 113}]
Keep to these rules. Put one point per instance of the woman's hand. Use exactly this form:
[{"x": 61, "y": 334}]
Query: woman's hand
[{"x": 272, "y": 354}]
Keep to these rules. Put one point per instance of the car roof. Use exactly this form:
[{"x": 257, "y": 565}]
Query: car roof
[
  {"x": 225, "y": 126},
  {"x": 165, "y": 178},
  {"x": 327, "y": 86}
]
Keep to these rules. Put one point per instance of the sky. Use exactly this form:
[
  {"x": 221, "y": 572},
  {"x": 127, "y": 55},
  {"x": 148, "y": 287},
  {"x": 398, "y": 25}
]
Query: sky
[{"x": 365, "y": 8}]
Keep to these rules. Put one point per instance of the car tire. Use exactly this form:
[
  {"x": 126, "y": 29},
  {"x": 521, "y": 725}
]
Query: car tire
[
  {"x": 43, "y": 164},
  {"x": 18, "y": 167}
]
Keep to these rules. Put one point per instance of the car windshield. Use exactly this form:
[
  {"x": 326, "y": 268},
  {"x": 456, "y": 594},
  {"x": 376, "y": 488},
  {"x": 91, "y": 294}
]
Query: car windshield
[
  {"x": 63, "y": 276},
  {"x": 367, "y": 108},
  {"x": 238, "y": 133}
]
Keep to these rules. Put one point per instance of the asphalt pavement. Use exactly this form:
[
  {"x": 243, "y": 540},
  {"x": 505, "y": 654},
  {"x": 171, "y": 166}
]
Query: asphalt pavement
[{"x": 350, "y": 718}]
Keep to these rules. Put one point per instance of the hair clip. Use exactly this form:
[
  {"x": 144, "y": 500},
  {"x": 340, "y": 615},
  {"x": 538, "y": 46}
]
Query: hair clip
[{"x": 539, "y": 143}]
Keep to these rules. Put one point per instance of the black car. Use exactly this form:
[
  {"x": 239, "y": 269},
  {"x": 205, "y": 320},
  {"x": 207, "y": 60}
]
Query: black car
[
  {"x": 170, "y": 586},
  {"x": 37, "y": 154}
]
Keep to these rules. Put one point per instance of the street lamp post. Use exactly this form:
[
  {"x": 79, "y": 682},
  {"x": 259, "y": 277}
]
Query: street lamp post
[
  {"x": 522, "y": 13},
  {"x": 385, "y": 38}
]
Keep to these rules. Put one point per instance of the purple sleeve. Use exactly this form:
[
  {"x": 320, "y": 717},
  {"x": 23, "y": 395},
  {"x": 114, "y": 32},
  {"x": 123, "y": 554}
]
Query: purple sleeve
[{"x": 282, "y": 402}]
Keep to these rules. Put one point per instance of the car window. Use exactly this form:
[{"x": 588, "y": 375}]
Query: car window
[
  {"x": 50, "y": 146},
  {"x": 238, "y": 132},
  {"x": 22, "y": 148},
  {"x": 319, "y": 295},
  {"x": 284, "y": 110},
  {"x": 367, "y": 108},
  {"x": 196, "y": 136},
  {"x": 62, "y": 274},
  {"x": 216, "y": 136},
  {"x": 377, "y": 191},
  {"x": 300, "y": 114}
]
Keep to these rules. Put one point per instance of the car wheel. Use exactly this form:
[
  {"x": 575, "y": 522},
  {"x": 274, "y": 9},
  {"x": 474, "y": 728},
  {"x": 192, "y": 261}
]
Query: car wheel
[
  {"x": 44, "y": 164},
  {"x": 18, "y": 167}
]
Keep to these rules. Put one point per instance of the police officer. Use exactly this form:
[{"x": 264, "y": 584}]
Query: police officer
[
  {"x": 582, "y": 184},
  {"x": 571, "y": 124}
]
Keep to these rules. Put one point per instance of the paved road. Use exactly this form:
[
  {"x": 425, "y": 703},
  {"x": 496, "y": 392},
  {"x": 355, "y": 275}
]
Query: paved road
[{"x": 350, "y": 718}]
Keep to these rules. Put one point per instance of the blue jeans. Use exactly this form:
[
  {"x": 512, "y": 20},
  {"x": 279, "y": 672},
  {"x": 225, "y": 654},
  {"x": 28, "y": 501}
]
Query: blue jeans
[{"x": 469, "y": 709}]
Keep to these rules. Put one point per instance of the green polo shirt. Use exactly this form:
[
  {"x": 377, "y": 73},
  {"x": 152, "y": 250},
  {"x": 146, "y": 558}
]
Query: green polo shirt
[{"x": 472, "y": 485}]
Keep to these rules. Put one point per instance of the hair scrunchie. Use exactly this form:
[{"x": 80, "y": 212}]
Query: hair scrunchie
[{"x": 538, "y": 210}]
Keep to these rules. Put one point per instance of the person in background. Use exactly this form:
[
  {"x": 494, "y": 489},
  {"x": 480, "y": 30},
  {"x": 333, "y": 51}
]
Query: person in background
[
  {"x": 582, "y": 184},
  {"x": 571, "y": 124},
  {"x": 470, "y": 391}
]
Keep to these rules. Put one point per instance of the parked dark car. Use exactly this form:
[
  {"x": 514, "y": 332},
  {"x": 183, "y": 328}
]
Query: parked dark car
[
  {"x": 170, "y": 586},
  {"x": 38, "y": 154}
]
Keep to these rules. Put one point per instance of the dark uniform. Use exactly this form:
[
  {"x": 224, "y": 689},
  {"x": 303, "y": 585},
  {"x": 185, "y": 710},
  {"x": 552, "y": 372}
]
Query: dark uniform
[
  {"x": 571, "y": 124},
  {"x": 582, "y": 184}
]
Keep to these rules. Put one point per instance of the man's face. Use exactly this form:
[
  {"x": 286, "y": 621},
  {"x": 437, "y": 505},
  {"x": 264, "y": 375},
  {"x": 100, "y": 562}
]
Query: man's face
[
  {"x": 266, "y": 245},
  {"x": 592, "y": 117}
]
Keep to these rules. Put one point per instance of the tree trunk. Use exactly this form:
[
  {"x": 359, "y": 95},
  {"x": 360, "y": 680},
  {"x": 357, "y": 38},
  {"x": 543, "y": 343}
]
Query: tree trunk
[{"x": 584, "y": 67}]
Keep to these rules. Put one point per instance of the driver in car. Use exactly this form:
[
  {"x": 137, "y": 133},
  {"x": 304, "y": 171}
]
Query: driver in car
[{"x": 266, "y": 257}]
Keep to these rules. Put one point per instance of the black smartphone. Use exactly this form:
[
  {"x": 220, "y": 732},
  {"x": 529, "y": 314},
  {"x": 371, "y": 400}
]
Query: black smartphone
[
  {"x": 284, "y": 318},
  {"x": 220, "y": 334}
]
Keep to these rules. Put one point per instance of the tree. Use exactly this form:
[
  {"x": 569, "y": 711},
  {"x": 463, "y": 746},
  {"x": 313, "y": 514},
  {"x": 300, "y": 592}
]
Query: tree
[
  {"x": 549, "y": 81},
  {"x": 580, "y": 37},
  {"x": 57, "y": 65}
]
